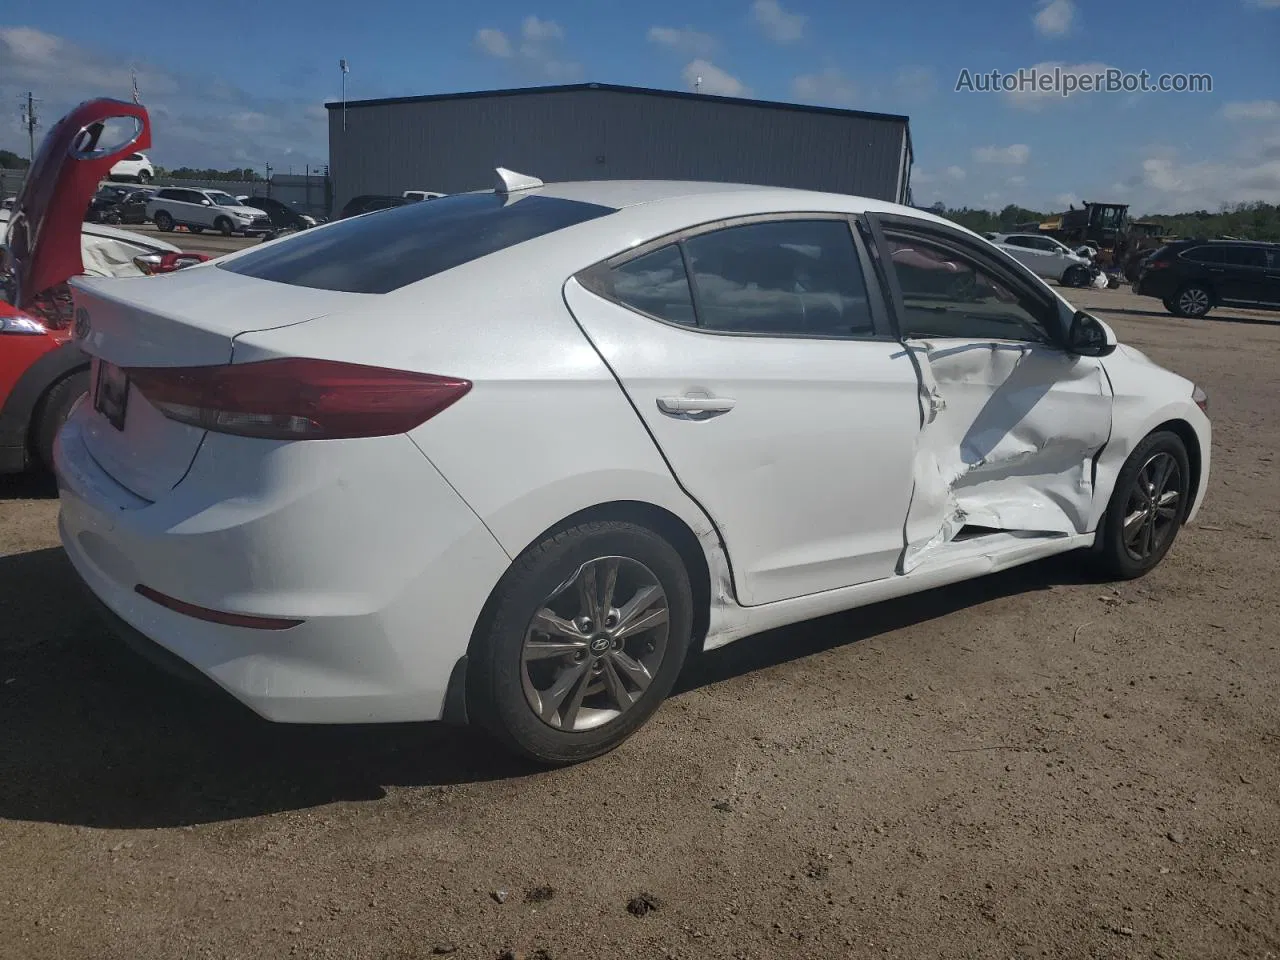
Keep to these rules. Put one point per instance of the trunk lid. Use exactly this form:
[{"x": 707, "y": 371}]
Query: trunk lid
[
  {"x": 182, "y": 319},
  {"x": 43, "y": 237}
]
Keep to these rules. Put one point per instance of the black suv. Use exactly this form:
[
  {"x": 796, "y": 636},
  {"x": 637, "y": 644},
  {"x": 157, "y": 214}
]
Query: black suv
[
  {"x": 1193, "y": 276},
  {"x": 367, "y": 203}
]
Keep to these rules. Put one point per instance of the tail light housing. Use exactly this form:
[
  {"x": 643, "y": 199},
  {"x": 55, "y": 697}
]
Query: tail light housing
[
  {"x": 153, "y": 263},
  {"x": 295, "y": 398}
]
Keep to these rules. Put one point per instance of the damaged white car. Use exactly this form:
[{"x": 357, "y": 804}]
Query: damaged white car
[{"x": 509, "y": 456}]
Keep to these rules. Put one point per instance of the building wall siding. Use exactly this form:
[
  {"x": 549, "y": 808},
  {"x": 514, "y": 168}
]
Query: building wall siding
[{"x": 453, "y": 145}]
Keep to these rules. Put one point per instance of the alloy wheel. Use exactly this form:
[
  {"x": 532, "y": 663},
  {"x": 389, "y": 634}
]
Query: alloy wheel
[
  {"x": 1193, "y": 302},
  {"x": 1151, "y": 515},
  {"x": 595, "y": 645}
]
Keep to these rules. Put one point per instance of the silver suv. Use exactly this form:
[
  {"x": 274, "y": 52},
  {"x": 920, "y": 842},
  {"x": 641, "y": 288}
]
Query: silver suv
[{"x": 199, "y": 210}]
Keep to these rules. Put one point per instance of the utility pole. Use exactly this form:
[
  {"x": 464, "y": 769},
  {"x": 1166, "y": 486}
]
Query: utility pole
[
  {"x": 31, "y": 121},
  {"x": 342, "y": 65}
]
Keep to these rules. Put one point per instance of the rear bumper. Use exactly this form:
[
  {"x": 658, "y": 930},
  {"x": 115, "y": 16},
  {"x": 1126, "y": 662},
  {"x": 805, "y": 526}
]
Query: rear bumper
[{"x": 387, "y": 568}]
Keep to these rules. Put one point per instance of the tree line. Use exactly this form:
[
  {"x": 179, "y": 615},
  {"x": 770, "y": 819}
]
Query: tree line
[{"x": 1247, "y": 221}]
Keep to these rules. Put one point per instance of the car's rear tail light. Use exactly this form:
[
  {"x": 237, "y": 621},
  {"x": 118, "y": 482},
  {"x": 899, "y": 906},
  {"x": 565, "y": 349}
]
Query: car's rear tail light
[
  {"x": 298, "y": 399},
  {"x": 1201, "y": 400},
  {"x": 152, "y": 263},
  {"x": 215, "y": 616},
  {"x": 1158, "y": 264}
]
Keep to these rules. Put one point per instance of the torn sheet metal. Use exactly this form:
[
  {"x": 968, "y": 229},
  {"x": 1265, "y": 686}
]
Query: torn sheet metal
[{"x": 1009, "y": 437}]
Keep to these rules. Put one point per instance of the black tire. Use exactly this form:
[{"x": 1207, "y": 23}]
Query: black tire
[
  {"x": 223, "y": 226},
  {"x": 164, "y": 221},
  {"x": 1116, "y": 558},
  {"x": 496, "y": 697},
  {"x": 112, "y": 217},
  {"x": 1075, "y": 277},
  {"x": 55, "y": 406},
  {"x": 1192, "y": 301},
  {"x": 144, "y": 177},
  {"x": 1168, "y": 304},
  {"x": 196, "y": 229}
]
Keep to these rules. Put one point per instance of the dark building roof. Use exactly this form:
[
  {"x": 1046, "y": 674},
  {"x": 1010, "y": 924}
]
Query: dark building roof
[{"x": 618, "y": 88}]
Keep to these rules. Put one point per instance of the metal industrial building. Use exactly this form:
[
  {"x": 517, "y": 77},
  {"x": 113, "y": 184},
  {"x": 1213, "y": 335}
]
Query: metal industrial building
[{"x": 451, "y": 143}]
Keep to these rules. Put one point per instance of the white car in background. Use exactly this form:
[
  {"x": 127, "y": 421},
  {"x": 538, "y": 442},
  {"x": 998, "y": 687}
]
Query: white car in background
[
  {"x": 136, "y": 166},
  {"x": 508, "y": 457},
  {"x": 1046, "y": 257},
  {"x": 199, "y": 210}
]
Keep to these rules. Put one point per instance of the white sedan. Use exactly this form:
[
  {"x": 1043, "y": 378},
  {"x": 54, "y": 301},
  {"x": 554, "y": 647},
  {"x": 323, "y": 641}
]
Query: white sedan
[
  {"x": 508, "y": 457},
  {"x": 1046, "y": 257}
]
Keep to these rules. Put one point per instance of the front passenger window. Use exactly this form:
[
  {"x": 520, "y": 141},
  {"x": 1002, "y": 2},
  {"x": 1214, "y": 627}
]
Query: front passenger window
[{"x": 948, "y": 293}]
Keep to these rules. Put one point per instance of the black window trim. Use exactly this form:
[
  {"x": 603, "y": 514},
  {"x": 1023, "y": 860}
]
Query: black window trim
[
  {"x": 596, "y": 278},
  {"x": 1003, "y": 266}
]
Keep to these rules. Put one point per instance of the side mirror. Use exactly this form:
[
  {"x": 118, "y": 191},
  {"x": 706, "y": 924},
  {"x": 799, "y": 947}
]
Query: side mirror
[
  {"x": 1089, "y": 336},
  {"x": 207, "y": 203}
]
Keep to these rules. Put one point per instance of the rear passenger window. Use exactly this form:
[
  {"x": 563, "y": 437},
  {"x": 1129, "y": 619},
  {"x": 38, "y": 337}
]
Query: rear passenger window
[
  {"x": 1206, "y": 255},
  {"x": 656, "y": 284},
  {"x": 784, "y": 278},
  {"x": 1246, "y": 257}
]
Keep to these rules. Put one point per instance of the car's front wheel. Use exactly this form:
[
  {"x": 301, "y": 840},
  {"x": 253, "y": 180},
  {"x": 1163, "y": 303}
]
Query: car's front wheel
[
  {"x": 581, "y": 642},
  {"x": 1076, "y": 276},
  {"x": 163, "y": 221},
  {"x": 1192, "y": 301},
  {"x": 223, "y": 226},
  {"x": 1147, "y": 507}
]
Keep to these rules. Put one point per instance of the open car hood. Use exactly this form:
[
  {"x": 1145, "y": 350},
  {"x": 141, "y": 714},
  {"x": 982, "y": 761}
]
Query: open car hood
[{"x": 43, "y": 239}]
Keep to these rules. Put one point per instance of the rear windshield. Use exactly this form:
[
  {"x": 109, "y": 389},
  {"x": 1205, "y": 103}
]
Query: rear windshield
[{"x": 383, "y": 251}]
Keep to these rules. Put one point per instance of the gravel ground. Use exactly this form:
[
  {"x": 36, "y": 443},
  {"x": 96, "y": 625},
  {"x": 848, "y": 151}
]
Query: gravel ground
[{"x": 1028, "y": 765}]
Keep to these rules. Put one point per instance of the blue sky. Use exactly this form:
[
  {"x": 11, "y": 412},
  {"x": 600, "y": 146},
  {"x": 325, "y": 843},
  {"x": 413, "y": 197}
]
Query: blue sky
[{"x": 243, "y": 83}]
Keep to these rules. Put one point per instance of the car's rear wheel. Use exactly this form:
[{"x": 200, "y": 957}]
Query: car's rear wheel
[
  {"x": 53, "y": 411},
  {"x": 164, "y": 222},
  {"x": 581, "y": 642},
  {"x": 223, "y": 226},
  {"x": 144, "y": 176},
  {"x": 1168, "y": 304},
  {"x": 1192, "y": 301},
  {"x": 1147, "y": 507}
]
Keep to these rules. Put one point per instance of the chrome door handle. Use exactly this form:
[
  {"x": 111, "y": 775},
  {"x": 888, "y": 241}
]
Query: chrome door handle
[{"x": 695, "y": 406}]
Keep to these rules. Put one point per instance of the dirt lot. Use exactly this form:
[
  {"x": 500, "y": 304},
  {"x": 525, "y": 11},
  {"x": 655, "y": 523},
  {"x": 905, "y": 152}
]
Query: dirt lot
[
  {"x": 214, "y": 244},
  {"x": 1031, "y": 765}
]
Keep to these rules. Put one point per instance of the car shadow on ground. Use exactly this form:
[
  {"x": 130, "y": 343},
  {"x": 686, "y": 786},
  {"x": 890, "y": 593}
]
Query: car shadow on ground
[
  {"x": 92, "y": 735},
  {"x": 32, "y": 485}
]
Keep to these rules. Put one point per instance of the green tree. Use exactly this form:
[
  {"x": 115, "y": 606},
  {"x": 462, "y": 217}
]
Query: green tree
[{"x": 11, "y": 161}]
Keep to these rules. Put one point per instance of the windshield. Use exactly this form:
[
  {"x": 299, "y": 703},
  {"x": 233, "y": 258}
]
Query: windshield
[{"x": 223, "y": 199}]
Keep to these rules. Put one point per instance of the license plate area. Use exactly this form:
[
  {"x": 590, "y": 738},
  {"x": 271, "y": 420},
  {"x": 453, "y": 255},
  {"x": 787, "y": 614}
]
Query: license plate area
[{"x": 111, "y": 395}]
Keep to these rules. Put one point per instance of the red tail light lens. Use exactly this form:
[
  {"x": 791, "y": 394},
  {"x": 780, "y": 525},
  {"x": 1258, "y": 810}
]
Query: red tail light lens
[
  {"x": 152, "y": 263},
  {"x": 298, "y": 399}
]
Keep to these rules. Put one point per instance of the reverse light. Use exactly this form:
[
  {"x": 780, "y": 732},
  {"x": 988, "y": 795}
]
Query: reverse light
[
  {"x": 298, "y": 399},
  {"x": 1201, "y": 400},
  {"x": 21, "y": 324}
]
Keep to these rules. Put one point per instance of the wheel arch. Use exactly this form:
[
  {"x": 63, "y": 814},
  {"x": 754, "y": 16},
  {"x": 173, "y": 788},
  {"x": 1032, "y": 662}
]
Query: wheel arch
[
  {"x": 1195, "y": 456},
  {"x": 21, "y": 408}
]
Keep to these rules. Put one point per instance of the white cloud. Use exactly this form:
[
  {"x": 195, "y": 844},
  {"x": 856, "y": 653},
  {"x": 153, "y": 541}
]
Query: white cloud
[
  {"x": 493, "y": 42},
  {"x": 535, "y": 52},
  {"x": 684, "y": 40},
  {"x": 714, "y": 80},
  {"x": 1018, "y": 181},
  {"x": 190, "y": 115},
  {"x": 1054, "y": 17},
  {"x": 1253, "y": 109},
  {"x": 1208, "y": 184},
  {"x": 954, "y": 174},
  {"x": 1065, "y": 200},
  {"x": 1015, "y": 154},
  {"x": 830, "y": 87},
  {"x": 778, "y": 24},
  {"x": 1035, "y": 98}
]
